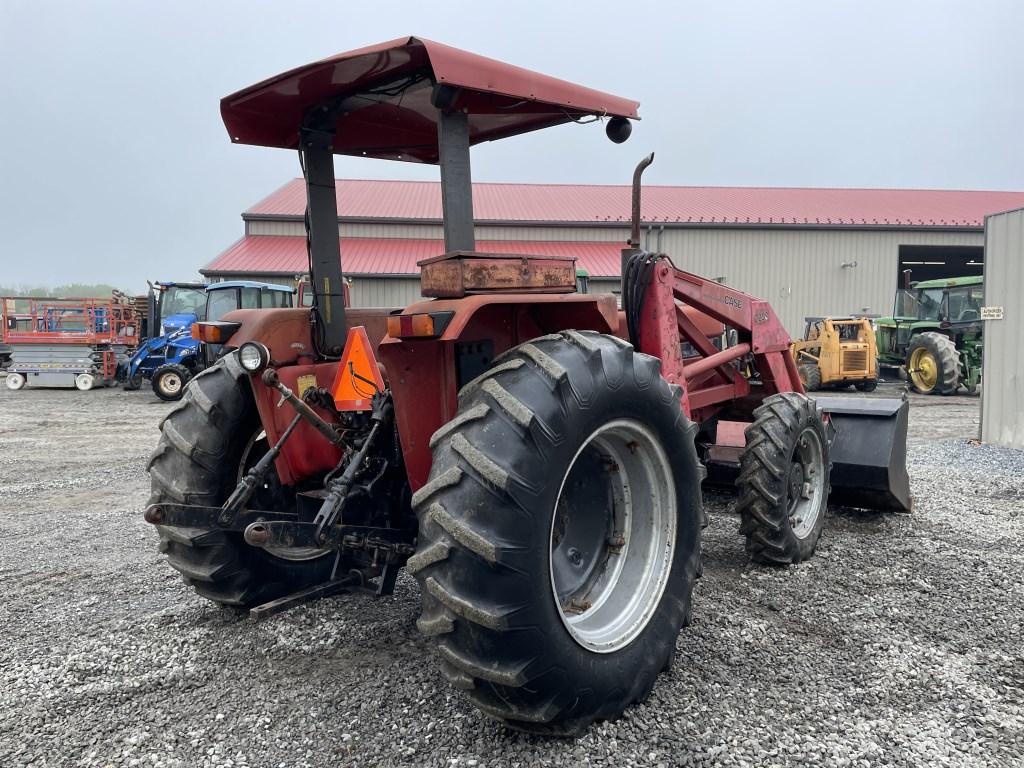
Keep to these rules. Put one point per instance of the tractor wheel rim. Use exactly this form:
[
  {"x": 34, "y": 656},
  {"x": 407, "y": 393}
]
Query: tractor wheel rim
[
  {"x": 924, "y": 371},
  {"x": 613, "y": 538},
  {"x": 806, "y": 483},
  {"x": 294, "y": 554},
  {"x": 170, "y": 383}
]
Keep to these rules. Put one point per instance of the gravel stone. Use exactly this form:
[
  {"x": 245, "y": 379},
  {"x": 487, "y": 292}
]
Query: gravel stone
[{"x": 898, "y": 644}]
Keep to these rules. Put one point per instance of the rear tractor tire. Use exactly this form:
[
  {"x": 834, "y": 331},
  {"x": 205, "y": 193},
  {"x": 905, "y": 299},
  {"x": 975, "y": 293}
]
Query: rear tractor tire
[
  {"x": 784, "y": 480},
  {"x": 810, "y": 376},
  {"x": 933, "y": 364},
  {"x": 205, "y": 442},
  {"x": 559, "y": 533},
  {"x": 169, "y": 381}
]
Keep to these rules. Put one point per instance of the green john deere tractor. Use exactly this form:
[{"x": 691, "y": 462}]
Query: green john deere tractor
[{"x": 936, "y": 335}]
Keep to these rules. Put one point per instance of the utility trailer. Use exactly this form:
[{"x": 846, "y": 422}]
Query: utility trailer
[
  {"x": 58, "y": 342},
  {"x": 532, "y": 455}
]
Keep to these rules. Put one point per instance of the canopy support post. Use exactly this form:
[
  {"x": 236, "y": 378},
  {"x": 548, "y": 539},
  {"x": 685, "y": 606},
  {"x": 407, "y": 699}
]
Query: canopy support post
[
  {"x": 324, "y": 240},
  {"x": 456, "y": 180}
]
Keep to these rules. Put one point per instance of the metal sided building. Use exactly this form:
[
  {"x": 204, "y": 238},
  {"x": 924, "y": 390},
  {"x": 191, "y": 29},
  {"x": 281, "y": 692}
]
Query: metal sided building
[
  {"x": 1002, "y": 390},
  {"x": 808, "y": 251}
]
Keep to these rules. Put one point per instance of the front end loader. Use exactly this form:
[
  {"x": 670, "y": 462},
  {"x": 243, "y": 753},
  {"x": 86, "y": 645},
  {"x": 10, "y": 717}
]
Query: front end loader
[{"x": 532, "y": 455}]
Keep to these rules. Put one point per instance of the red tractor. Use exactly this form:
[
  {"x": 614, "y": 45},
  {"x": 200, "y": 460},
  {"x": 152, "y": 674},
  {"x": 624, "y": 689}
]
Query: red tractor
[{"x": 532, "y": 455}]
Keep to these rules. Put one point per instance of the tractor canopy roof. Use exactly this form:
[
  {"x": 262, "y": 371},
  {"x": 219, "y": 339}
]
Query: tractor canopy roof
[
  {"x": 950, "y": 282},
  {"x": 249, "y": 284},
  {"x": 382, "y": 101}
]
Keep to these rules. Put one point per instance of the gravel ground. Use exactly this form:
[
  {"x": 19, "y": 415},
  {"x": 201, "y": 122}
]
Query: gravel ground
[{"x": 899, "y": 643}]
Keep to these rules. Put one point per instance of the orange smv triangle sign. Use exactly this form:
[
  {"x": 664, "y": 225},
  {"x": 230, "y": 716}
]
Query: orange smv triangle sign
[{"x": 358, "y": 377}]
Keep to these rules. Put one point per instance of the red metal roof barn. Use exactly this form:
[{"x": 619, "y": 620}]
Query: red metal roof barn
[{"x": 812, "y": 251}]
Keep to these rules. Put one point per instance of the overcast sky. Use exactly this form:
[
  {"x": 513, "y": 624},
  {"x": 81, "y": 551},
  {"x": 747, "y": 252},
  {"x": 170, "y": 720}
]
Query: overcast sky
[{"x": 115, "y": 167}]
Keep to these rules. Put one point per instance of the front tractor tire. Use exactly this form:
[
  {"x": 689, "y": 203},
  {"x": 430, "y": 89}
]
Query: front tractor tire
[
  {"x": 169, "y": 381},
  {"x": 204, "y": 443},
  {"x": 783, "y": 482},
  {"x": 559, "y": 533},
  {"x": 933, "y": 364}
]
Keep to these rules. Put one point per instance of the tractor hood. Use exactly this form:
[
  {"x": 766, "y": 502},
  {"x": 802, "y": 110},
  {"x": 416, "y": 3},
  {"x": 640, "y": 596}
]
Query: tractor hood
[
  {"x": 380, "y": 101},
  {"x": 173, "y": 323}
]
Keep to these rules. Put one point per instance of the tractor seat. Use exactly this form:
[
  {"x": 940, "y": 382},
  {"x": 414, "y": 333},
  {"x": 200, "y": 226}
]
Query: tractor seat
[{"x": 967, "y": 315}]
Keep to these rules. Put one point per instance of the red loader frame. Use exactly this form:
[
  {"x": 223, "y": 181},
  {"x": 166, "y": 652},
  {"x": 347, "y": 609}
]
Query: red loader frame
[{"x": 713, "y": 380}]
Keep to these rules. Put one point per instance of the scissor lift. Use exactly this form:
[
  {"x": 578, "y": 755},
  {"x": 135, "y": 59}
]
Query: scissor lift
[{"x": 57, "y": 342}]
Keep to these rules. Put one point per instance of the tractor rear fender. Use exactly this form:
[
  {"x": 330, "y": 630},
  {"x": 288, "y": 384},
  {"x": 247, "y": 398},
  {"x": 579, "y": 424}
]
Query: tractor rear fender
[
  {"x": 426, "y": 374},
  {"x": 286, "y": 332}
]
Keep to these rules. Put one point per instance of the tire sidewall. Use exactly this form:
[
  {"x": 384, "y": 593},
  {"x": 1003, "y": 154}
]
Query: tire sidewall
[
  {"x": 931, "y": 341},
  {"x": 664, "y": 622},
  {"x": 587, "y": 406},
  {"x": 764, "y": 479},
  {"x": 805, "y": 546},
  {"x": 161, "y": 392}
]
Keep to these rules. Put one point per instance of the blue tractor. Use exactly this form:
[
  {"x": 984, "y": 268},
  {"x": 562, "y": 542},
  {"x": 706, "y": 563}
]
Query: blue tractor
[
  {"x": 172, "y": 358},
  {"x": 167, "y": 335}
]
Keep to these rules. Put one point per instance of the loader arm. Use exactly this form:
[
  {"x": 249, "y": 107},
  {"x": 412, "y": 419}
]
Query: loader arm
[
  {"x": 712, "y": 380},
  {"x": 867, "y": 437}
]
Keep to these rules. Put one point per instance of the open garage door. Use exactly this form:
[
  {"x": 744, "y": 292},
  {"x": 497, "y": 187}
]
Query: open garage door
[{"x": 934, "y": 262}]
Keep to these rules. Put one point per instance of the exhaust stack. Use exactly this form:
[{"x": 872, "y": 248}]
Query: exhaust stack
[{"x": 634, "y": 232}]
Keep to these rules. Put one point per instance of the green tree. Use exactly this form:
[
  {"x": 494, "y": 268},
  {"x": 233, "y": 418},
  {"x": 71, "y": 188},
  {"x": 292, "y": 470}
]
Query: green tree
[{"x": 70, "y": 291}]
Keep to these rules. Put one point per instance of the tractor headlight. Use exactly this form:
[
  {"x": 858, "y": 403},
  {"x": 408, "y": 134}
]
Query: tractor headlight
[{"x": 253, "y": 356}]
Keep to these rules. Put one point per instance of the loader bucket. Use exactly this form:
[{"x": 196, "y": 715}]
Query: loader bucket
[{"x": 869, "y": 452}]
